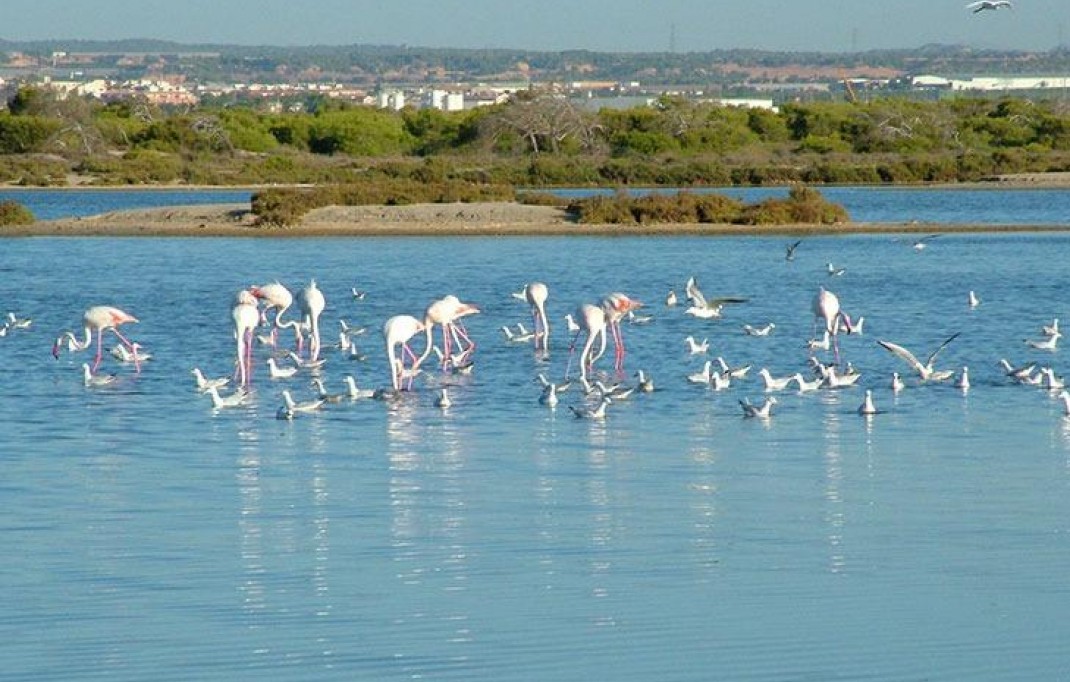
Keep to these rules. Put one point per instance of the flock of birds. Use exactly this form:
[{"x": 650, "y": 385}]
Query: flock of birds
[{"x": 259, "y": 315}]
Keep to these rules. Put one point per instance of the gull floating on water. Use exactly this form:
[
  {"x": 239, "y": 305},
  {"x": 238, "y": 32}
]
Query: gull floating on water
[
  {"x": 849, "y": 326},
  {"x": 1052, "y": 382},
  {"x": 355, "y": 393},
  {"x": 774, "y": 383},
  {"x": 834, "y": 379},
  {"x": 720, "y": 381},
  {"x": 15, "y": 322},
  {"x": 897, "y": 383},
  {"x": 203, "y": 383},
  {"x": 920, "y": 244},
  {"x": 834, "y": 271},
  {"x": 549, "y": 396},
  {"x": 696, "y": 348},
  {"x": 973, "y": 300},
  {"x": 807, "y": 386},
  {"x": 131, "y": 355},
  {"x": 734, "y": 372},
  {"x": 304, "y": 406},
  {"x": 1019, "y": 374},
  {"x": 276, "y": 372},
  {"x": 670, "y": 299},
  {"x": 96, "y": 380},
  {"x": 597, "y": 412},
  {"x": 234, "y": 399},
  {"x": 1049, "y": 343},
  {"x": 702, "y": 377},
  {"x": 824, "y": 344},
  {"x": 964, "y": 379},
  {"x": 1051, "y": 329},
  {"x": 1065, "y": 397},
  {"x": 763, "y": 411},
  {"x": 321, "y": 391},
  {"x": 759, "y": 331},
  {"x": 867, "y": 407},
  {"x": 925, "y": 371},
  {"x": 646, "y": 384},
  {"x": 442, "y": 400}
]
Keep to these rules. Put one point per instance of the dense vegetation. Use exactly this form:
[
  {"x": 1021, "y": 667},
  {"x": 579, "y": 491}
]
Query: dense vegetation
[
  {"x": 14, "y": 213},
  {"x": 535, "y": 140}
]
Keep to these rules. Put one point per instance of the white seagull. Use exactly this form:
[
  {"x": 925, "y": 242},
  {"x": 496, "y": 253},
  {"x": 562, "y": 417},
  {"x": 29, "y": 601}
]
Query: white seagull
[
  {"x": 1065, "y": 397},
  {"x": 306, "y": 406},
  {"x": 867, "y": 407},
  {"x": 597, "y": 412},
  {"x": 702, "y": 377},
  {"x": 982, "y": 5},
  {"x": 442, "y": 400},
  {"x": 549, "y": 396},
  {"x": 355, "y": 393},
  {"x": 696, "y": 348},
  {"x": 203, "y": 383},
  {"x": 973, "y": 300},
  {"x": 759, "y": 331},
  {"x": 774, "y": 383},
  {"x": 734, "y": 372},
  {"x": 646, "y": 384},
  {"x": 96, "y": 380},
  {"x": 964, "y": 379},
  {"x": 704, "y": 308},
  {"x": 276, "y": 372},
  {"x": 234, "y": 399},
  {"x": 1049, "y": 343},
  {"x": 763, "y": 411},
  {"x": 925, "y": 371},
  {"x": 897, "y": 383},
  {"x": 807, "y": 386}
]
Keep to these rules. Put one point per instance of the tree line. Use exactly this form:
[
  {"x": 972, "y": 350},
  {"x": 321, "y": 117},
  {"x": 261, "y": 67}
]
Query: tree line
[{"x": 535, "y": 139}]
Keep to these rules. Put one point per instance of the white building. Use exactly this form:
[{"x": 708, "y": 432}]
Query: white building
[{"x": 391, "y": 99}]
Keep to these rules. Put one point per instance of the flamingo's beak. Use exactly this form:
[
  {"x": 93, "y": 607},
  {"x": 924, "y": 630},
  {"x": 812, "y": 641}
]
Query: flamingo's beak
[{"x": 55, "y": 350}]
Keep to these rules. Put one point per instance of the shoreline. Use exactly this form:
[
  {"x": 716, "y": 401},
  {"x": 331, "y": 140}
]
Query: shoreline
[{"x": 490, "y": 219}]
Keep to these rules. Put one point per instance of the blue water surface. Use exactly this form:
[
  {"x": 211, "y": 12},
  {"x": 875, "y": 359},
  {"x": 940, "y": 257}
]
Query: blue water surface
[{"x": 151, "y": 537}]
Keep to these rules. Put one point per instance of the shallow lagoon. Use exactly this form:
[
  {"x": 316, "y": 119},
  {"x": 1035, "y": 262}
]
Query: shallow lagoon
[{"x": 151, "y": 537}]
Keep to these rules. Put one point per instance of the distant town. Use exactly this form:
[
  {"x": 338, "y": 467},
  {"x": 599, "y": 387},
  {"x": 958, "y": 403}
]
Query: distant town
[{"x": 293, "y": 79}]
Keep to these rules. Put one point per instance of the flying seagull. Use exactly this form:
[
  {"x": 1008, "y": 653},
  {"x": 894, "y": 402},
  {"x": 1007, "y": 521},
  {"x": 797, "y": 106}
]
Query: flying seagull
[
  {"x": 926, "y": 371},
  {"x": 982, "y": 5},
  {"x": 790, "y": 254}
]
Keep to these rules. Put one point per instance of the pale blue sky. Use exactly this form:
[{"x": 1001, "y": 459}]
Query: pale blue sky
[{"x": 607, "y": 25}]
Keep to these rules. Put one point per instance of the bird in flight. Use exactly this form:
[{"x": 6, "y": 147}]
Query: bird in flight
[
  {"x": 790, "y": 255},
  {"x": 982, "y": 5},
  {"x": 925, "y": 371}
]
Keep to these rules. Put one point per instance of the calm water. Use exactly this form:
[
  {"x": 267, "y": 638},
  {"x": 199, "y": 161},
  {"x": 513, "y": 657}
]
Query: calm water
[{"x": 152, "y": 538}]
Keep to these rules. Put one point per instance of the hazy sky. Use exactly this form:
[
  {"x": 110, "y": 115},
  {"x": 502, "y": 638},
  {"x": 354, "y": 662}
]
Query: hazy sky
[{"x": 610, "y": 25}]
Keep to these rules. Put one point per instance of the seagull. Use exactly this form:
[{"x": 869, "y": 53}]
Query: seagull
[
  {"x": 639, "y": 319},
  {"x": 734, "y": 372},
  {"x": 973, "y": 300},
  {"x": 720, "y": 381},
  {"x": 982, "y": 5},
  {"x": 774, "y": 383},
  {"x": 920, "y": 244},
  {"x": 1052, "y": 382},
  {"x": 759, "y": 331},
  {"x": 546, "y": 383},
  {"x": 598, "y": 412},
  {"x": 670, "y": 299},
  {"x": 573, "y": 328},
  {"x": 307, "y": 406},
  {"x": 897, "y": 383},
  {"x": 702, "y": 377},
  {"x": 867, "y": 407},
  {"x": 1018, "y": 373},
  {"x": 696, "y": 348},
  {"x": 807, "y": 386},
  {"x": 96, "y": 380},
  {"x": 442, "y": 400},
  {"x": 824, "y": 344},
  {"x": 789, "y": 254},
  {"x": 350, "y": 330},
  {"x": 834, "y": 379},
  {"x": 134, "y": 354},
  {"x": 306, "y": 364},
  {"x": 1049, "y": 343},
  {"x": 317, "y": 383},
  {"x": 357, "y": 294},
  {"x": 15, "y": 322},
  {"x": 276, "y": 372},
  {"x": 1065, "y": 397},
  {"x": 702, "y": 307},
  {"x": 763, "y": 411},
  {"x": 1051, "y": 329},
  {"x": 834, "y": 271},
  {"x": 616, "y": 392},
  {"x": 964, "y": 379},
  {"x": 849, "y": 326},
  {"x": 234, "y": 399},
  {"x": 354, "y": 393},
  {"x": 203, "y": 384},
  {"x": 646, "y": 384},
  {"x": 549, "y": 396},
  {"x": 926, "y": 371}
]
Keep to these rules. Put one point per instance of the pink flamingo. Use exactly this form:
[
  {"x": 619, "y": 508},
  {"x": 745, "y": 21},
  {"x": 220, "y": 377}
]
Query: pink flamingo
[
  {"x": 312, "y": 303},
  {"x": 826, "y": 306},
  {"x": 99, "y": 319},
  {"x": 279, "y": 298},
  {"x": 397, "y": 331},
  {"x": 446, "y": 312},
  {"x": 536, "y": 294},
  {"x": 592, "y": 320},
  {"x": 246, "y": 316},
  {"x": 616, "y": 306}
]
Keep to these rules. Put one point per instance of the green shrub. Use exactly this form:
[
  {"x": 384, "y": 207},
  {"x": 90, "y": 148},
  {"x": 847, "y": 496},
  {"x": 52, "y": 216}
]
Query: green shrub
[{"x": 14, "y": 213}]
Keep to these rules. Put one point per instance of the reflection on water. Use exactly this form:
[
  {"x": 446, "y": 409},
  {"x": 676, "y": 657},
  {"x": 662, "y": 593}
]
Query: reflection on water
[{"x": 499, "y": 540}]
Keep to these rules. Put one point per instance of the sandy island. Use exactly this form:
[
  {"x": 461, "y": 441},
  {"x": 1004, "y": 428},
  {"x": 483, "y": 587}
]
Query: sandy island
[{"x": 476, "y": 219}]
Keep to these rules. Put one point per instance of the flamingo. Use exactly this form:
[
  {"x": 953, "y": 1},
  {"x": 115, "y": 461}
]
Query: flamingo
[
  {"x": 99, "y": 319},
  {"x": 593, "y": 322},
  {"x": 826, "y": 306},
  {"x": 445, "y": 312},
  {"x": 279, "y": 298},
  {"x": 312, "y": 303},
  {"x": 535, "y": 294},
  {"x": 246, "y": 317},
  {"x": 616, "y": 306},
  {"x": 397, "y": 331}
]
